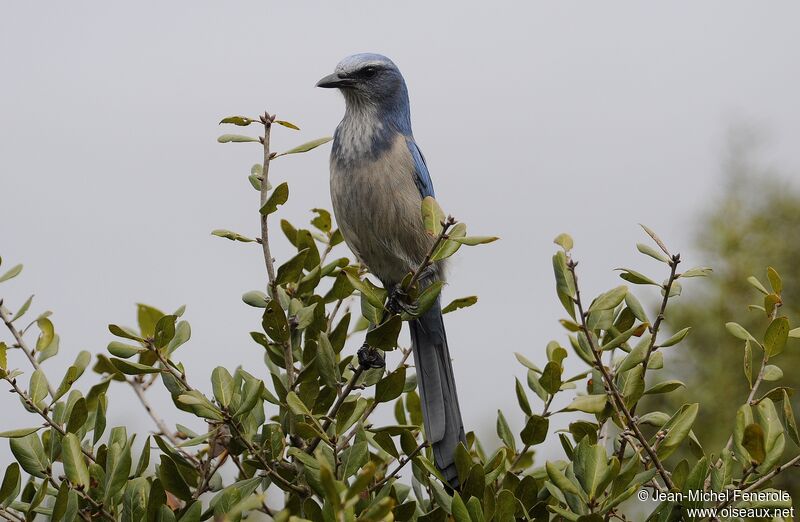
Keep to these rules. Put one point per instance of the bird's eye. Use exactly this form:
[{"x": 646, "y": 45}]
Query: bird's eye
[{"x": 368, "y": 72}]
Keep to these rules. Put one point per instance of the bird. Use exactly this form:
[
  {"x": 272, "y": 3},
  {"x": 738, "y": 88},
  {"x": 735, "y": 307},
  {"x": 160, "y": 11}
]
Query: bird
[{"x": 378, "y": 179}]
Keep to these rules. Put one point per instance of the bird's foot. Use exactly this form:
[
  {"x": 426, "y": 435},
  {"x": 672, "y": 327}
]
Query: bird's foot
[
  {"x": 397, "y": 302},
  {"x": 369, "y": 357}
]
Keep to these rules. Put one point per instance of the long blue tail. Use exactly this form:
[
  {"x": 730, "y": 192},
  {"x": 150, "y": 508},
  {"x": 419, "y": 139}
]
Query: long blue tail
[{"x": 437, "y": 389}]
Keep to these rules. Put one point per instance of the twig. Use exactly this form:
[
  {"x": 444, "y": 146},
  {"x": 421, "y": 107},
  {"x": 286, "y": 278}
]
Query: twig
[
  {"x": 613, "y": 389},
  {"x": 277, "y": 478},
  {"x": 338, "y": 404},
  {"x": 759, "y": 379},
  {"x": 528, "y": 446},
  {"x": 5, "y": 315},
  {"x": 266, "y": 120},
  {"x": 209, "y": 474},
  {"x": 139, "y": 389},
  {"x": 10, "y": 515},
  {"x": 43, "y": 414},
  {"x": 446, "y": 224},
  {"x": 401, "y": 463},
  {"x": 675, "y": 260},
  {"x": 371, "y": 408},
  {"x": 764, "y": 479}
]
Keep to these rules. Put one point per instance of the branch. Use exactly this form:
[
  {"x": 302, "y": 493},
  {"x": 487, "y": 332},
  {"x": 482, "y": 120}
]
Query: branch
[
  {"x": 277, "y": 478},
  {"x": 338, "y": 404},
  {"x": 446, "y": 224},
  {"x": 613, "y": 389},
  {"x": 401, "y": 463},
  {"x": 673, "y": 276},
  {"x": 267, "y": 120},
  {"x": 50, "y": 422},
  {"x": 139, "y": 389},
  {"x": 766, "y": 478},
  {"x": 5, "y": 315}
]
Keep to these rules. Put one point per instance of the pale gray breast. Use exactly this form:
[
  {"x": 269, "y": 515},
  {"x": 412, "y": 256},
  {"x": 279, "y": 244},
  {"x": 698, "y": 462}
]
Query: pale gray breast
[{"x": 377, "y": 208}]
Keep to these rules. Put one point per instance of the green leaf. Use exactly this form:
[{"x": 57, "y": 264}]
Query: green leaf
[
  {"x": 588, "y": 404},
  {"x": 560, "y": 480},
  {"x": 675, "y": 339},
  {"x": 700, "y": 271},
  {"x": 124, "y": 333},
  {"x": 772, "y": 373},
  {"x": 535, "y": 430},
  {"x": 740, "y": 332},
  {"x": 326, "y": 362},
  {"x": 635, "y": 277},
  {"x": 235, "y": 138},
  {"x": 505, "y": 433},
  {"x": 223, "y": 386},
  {"x": 551, "y": 377},
  {"x": 78, "y": 416},
  {"x": 774, "y": 280},
  {"x": 475, "y": 240},
  {"x": 100, "y": 417},
  {"x": 664, "y": 387},
  {"x": 123, "y": 350},
  {"x": 461, "y": 302},
  {"x": 274, "y": 322},
  {"x": 655, "y": 238},
  {"x": 134, "y": 501},
  {"x": 305, "y": 147},
  {"x": 650, "y": 251},
  {"x": 18, "y": 433},
  {"x": 776, "y": 336},
  {"x": 753, "y": 442},
  {"x": 37, "y": 389},
  {"x": 233, "y": 236},
  {"x": 291, "y": 270},
  {"x": 432, "y": 216},
  {"x": 384, "y": 336},
  {"x": 677, "y": 429},
  {"x": 241, "y": 121},
  {"x": 11, "y": 483},
  {"x": 132, "y": 368},
  {"x": 564, "y": 241},
  {"x": 172, "y": 480},
  {"x": 30, "y": 454},
  {"x": 287, "y": 124},
  {"x": 753, "y": 280},
  {"x": 47, "y": 333},
  {"x": 22, "y": 309},
  {"x": 277, "y": 197},
  {"x": 522, "y": 398},
  {"x": 164, "y": 331},
  {"x": 74, "y": 465},
  {"x": 390, "y": 387},
  {"x": 610, "y": 299},
  {"x": 788, "y": 417},
  {"x": 13, "y": 272}
]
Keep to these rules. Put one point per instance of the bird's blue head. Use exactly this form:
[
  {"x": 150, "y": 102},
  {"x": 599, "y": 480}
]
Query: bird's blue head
[{"x": 370, "y": 80}]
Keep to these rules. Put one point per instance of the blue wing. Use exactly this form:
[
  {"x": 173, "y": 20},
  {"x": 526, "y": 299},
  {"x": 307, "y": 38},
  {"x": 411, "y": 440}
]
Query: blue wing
[{"x": 422, "y": 177}]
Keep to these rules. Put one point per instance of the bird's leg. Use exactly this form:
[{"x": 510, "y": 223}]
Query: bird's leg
[{"x": 369, "y": 357}]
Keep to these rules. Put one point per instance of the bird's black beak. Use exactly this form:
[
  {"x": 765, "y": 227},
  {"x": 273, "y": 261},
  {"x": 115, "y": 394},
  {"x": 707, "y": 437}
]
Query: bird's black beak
[{"x": 334, "y": 81}]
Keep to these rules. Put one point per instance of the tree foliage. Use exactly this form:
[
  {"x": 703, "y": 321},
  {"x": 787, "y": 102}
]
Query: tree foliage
[{"x": 298, "y": 434}]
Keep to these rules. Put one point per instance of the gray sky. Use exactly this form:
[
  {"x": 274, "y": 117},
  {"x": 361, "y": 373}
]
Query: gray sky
[{"x": 535, "y": 118}]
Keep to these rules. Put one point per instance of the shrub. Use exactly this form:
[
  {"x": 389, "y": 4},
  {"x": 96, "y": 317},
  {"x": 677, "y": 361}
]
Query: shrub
[{"x": 304, "y": 432}]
